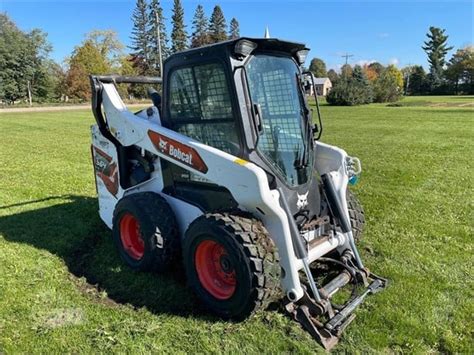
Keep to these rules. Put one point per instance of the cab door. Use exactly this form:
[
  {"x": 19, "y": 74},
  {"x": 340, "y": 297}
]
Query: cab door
[{"x": 200, "y": 106}]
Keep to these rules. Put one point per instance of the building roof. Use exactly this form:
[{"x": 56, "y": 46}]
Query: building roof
[{"x": 320, "y": 81}]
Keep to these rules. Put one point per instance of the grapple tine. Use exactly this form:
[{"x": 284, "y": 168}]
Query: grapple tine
[
  {"x": 308, "y": 311},
  {"x": 320, "y": 334}
]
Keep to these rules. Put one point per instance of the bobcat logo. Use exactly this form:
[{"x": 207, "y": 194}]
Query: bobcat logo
[
  {"x": 302, "y": 201},
  {"x": 163, "y": 144}
]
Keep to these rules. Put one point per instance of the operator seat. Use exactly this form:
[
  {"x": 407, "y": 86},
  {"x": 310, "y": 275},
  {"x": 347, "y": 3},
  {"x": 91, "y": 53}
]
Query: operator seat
[{"x": 155, "y": 98}]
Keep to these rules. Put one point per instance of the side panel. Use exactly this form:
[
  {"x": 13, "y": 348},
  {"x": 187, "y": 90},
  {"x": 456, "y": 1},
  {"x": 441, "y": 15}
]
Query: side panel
[{"x": 105, "y": 162}]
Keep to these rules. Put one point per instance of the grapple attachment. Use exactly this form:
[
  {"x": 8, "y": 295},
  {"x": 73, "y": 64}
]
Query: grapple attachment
[{"x": 324, "y": 319}]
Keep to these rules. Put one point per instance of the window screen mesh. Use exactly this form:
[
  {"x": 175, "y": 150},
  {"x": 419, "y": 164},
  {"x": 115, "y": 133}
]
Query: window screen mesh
[
  {"x": 213, "y": 92},
  {"x": 183, "y": 96},
  {"x": 200, "y": 94},
  {"x": 275, "y": 92},
  {"x": 222, "y": 136},
  {"x": 274, "y": 85}
]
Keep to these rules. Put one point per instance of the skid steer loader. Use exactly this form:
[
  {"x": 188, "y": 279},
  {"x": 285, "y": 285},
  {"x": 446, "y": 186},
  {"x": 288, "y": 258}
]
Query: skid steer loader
[{"x": 226, "y": 171}]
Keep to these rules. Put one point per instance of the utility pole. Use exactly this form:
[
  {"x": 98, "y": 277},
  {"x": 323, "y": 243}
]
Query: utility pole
[
  {"x": 347, "y": 56},
  {"x": 158, "y": 40}
]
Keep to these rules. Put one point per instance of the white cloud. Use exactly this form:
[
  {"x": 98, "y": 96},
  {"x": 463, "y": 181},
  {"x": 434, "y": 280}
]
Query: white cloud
[
  {"x": 363, "y": 62},
  {"x": 394, "y": 61}
]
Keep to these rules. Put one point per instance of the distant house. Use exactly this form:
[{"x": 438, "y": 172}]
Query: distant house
[{"x": 321, "y": 85}]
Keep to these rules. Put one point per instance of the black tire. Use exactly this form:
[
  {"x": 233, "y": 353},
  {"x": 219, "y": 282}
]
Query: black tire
[
  {"x": 250, "y": 255},
  {"x": 157, "y": 228},
  {"x": 356, "y": 214}
]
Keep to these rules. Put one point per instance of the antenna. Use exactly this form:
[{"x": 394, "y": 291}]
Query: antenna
[
  {"x": 267, "y": 33},
  {"x": 347, "y": 56}
]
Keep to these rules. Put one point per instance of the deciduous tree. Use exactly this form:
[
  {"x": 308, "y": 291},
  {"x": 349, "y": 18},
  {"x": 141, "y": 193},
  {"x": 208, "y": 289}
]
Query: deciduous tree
[
  {"x": 85, "y": 60},
  {"x": 460, "y": 70},
  {"x": 389, "y": 85},
  {"x": 23, "y": 63},
  {"x": 318, "y": 68},
  {"x": 108, "y": 44},
  {"x": 372, "y": 72},
  {"x": 346, "y": 71}
]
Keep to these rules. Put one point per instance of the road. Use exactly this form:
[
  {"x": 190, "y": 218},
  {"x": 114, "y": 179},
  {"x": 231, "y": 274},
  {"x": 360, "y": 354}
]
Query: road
[{"x": 55, "y": 108}]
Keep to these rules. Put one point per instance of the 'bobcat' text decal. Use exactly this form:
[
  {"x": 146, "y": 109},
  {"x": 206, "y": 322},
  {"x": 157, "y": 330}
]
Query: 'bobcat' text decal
[{"x": 178, "y": 151}]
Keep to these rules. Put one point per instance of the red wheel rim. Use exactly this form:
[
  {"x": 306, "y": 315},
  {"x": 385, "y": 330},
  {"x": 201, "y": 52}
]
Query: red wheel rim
[
  {"x": 131, "y": 238},
  {"x": 215, "y": 270}
]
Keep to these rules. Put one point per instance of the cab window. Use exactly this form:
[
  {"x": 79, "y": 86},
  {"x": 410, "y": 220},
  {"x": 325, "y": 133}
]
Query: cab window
[{"x": 200, "y": 106}]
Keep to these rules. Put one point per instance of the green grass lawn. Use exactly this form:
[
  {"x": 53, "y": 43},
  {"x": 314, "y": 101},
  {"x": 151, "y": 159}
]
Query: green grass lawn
[{"x": 63, "y": 287}]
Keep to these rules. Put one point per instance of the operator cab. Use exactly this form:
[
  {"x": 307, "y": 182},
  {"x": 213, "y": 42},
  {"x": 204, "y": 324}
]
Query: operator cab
[{"x": 244, "y": 97}]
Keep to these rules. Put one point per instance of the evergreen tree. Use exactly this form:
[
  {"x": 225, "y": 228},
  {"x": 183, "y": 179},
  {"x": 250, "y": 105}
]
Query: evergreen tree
[
  {"x": 351, "y": 89},
  {"x": 332, "y": 75},
  {"x": 217, "y": 26},
  {"x": 200, "y": 36},
  {"x": 362, "y": 84},
  {"x": 139, "y": 37},
  {"x": 154, "y": 9},
  {"x": 178, "y": 34},
  {"x": 436, "y": 49},
  {"x": 234, "y": 31},
  {"x": 418, "y": 81}
]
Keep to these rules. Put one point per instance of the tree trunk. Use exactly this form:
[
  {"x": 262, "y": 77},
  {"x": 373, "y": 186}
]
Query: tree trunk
[{"x": 30, "y": 100}]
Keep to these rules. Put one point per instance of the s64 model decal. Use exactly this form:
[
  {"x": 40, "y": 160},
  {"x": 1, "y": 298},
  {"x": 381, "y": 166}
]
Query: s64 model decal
[
  {"x": 106, "y": 170},
  {"x": 178, "y": 151}
]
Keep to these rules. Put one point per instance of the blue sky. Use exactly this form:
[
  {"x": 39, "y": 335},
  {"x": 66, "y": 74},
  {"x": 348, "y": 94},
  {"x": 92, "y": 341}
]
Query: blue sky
[{"x": 385, "y": 31}]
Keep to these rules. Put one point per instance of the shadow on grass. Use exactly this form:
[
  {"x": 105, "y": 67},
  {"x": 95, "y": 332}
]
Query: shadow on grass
[{"x": 73, "y": 231}]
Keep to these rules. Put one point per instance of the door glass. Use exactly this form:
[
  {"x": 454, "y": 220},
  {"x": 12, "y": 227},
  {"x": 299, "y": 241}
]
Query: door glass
[
  {"x": 200, "y": 106},
  {"x": 274, "y": 85}
]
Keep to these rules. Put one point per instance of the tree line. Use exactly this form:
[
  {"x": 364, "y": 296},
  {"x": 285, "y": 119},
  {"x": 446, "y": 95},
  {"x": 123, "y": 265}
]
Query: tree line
[
  {"x": 148, "y": 21},
  {"x": 376, "y": 83},
  {"x": 27, "y": 73}
]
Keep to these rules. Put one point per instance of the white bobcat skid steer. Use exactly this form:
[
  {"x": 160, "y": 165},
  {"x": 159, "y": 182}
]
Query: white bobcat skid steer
[{"x": 225, "y": 169}]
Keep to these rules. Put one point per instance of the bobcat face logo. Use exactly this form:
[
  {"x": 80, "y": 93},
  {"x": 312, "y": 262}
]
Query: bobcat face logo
[
  {"x": 163, "y": 144},
  {"x": 302, "y": 201}
]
